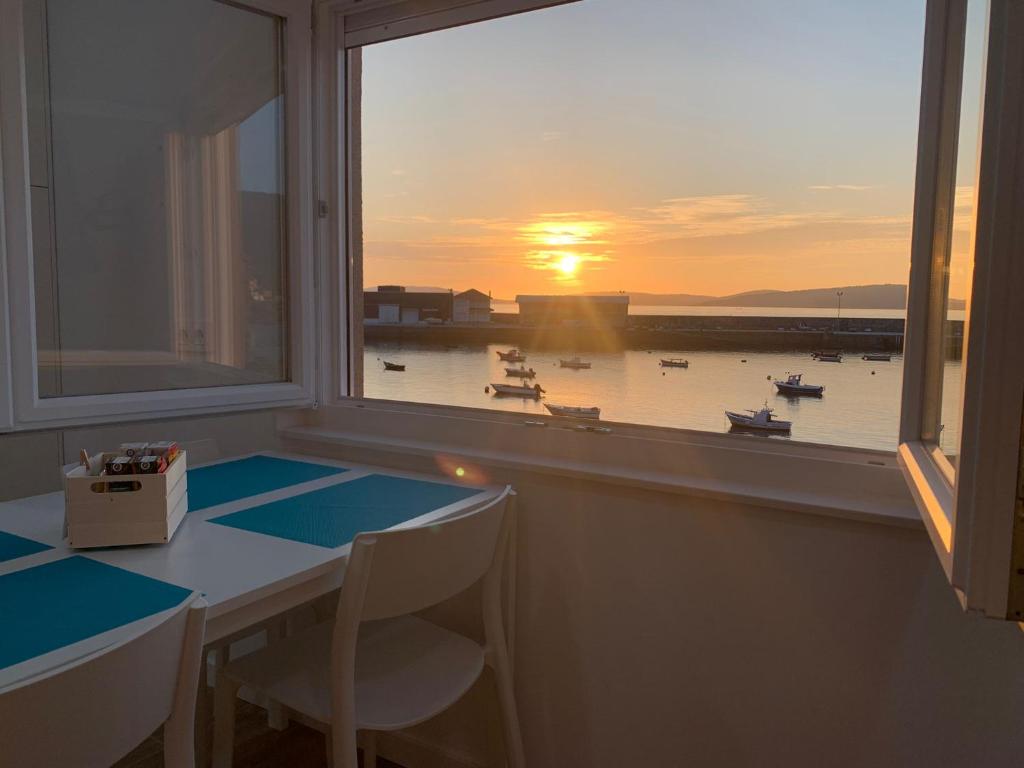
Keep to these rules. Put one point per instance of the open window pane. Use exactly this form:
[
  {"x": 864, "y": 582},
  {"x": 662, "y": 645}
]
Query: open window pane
[
  {"x": 157, "y": 195},
  {"x": 952, "y": 270},
  {"x": 626, "y": 183}
]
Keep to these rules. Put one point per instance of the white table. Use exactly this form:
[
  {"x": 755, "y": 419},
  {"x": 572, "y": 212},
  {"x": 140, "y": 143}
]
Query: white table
[{"x": 246, "y": 577}]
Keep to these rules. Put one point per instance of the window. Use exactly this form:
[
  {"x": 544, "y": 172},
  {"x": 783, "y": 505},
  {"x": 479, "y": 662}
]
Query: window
[
  {"x": 531, "y": 170},
  {"x": 163, "y": 239},
  {"x": 618, "y": 190},
  {"x": 961, "y": 436}
]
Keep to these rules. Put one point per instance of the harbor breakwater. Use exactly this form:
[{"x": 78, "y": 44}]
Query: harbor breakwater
[{"x": 667, "y": 332}]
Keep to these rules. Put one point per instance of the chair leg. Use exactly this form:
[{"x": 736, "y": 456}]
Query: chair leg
[
  {"x": 224, "y": 697},
  {"x": 369, "y": 749},
  {"x": 507, "y": 701},
  {"x": 277, "y": 718}
]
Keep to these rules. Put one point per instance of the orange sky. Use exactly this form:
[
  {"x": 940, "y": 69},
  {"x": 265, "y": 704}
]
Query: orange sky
[{"x": 665, "y": 147}]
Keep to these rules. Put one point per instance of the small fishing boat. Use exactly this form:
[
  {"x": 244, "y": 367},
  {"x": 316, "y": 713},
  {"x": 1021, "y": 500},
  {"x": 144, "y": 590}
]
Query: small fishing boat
[
  {"x": 761, "y": 420},
  {"x": 793, "y": 386},
  {"x": 878, "y": 358},
  {"x": 830, "y": 358},
  {"x": 518, "y": 390},
  {"x": 575, "y": 364},
  {"x": 520, "y": 372},
  {"x": 393, "y": 366},
  {"x": 674, "y": 362},
  {"x": 512, "y": 356},
  {"x": 576, "y": 411}
]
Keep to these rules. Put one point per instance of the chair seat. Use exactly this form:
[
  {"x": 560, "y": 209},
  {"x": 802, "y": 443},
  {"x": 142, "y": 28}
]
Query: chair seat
[{"x": 407, "y": 670}]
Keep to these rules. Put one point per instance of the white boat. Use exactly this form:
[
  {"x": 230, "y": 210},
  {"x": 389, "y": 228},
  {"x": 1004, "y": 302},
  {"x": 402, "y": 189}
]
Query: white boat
[
  {"x": 520, "y": 372},
  {"x": 793, "y": 386},
  {"x": 674, "y": 362},
  {"x": 761, "y": 419},
  {"x": 518, "y": 390},
  {"x": 836, "y": 358},
  {"x": 878, "y": 357},
  {"x": 576, "y": 411},
  {"x": 575, "y": 363},
  {"x": 512, "y": 356}
]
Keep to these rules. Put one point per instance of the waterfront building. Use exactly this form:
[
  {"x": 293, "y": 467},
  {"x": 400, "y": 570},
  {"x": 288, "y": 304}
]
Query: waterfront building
[
  {"x": 394, "y": 304},
  {"x": 472, "y": 306},
  {"x": 605, "y": 311}
]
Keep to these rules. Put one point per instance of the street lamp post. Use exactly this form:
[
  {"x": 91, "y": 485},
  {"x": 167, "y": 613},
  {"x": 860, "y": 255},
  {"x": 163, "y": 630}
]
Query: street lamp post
[{"x": 839, "y": 304}]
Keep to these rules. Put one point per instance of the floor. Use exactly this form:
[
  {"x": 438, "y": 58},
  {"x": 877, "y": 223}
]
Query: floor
[{"x": 256, "y": 745}]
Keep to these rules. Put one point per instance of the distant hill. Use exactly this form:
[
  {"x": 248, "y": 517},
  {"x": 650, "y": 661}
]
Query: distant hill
[{"x": 887, "y": 296}]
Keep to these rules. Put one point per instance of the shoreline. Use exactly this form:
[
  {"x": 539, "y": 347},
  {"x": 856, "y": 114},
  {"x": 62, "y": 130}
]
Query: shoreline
[{"x": 668, "y": 332}]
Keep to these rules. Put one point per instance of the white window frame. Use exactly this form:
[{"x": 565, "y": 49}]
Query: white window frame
[
  {"x": 969, "y": 513},
  {"x": 18, "y": 383}
]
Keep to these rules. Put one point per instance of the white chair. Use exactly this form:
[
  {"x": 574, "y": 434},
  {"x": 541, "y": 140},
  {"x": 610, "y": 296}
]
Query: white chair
[
  {"x": 95, "y": 710},
  {"x": 375, "y": 667}
]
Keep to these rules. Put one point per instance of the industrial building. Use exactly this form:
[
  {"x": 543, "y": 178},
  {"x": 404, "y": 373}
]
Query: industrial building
[
  {"x": 606, "y": 311},
  {"x": 394, "y": 304},
  {"x": 472, "y": 306}
]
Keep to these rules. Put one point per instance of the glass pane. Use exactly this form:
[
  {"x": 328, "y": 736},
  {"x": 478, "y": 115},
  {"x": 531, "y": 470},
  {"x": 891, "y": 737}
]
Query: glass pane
[
  {"x": 724, "y": 185},
  {"x": 158, "y": 206},
  {"x": 953, "y": 281}
]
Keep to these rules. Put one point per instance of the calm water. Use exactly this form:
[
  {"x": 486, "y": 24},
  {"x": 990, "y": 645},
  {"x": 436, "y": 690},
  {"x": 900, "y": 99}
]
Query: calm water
[{"x": 860, "y": 406}]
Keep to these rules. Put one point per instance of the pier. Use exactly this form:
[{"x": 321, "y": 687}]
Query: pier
[{"x": 668, "y": 332}]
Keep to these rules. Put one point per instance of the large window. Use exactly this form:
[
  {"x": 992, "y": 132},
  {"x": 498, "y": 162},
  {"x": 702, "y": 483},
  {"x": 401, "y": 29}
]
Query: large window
[
  {"x": 620, "y": 189},
  {"x": 156, "y": 257},
  {"x": 161, "y": 263}
]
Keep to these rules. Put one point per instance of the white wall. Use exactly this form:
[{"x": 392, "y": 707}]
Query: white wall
[
  {"x": 31, "y": 463},
  {"x": 661, "y": 630}
]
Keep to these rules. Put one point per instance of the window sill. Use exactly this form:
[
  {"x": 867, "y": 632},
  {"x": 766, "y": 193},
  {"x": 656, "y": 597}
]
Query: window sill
[{"x": 823, "y": 480}]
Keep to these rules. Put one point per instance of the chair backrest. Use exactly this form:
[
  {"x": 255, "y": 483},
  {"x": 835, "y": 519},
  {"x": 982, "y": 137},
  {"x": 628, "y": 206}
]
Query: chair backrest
[
  {"x": 95, "y": 710},
  {"x": 413, "y": 568}
]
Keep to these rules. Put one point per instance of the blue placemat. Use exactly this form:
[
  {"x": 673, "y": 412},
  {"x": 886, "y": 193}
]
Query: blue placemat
[
  {"x": 233, "y": 480},
  {"x": 12, "y": 546},
  {"x": 332, "y": 516},
  {"x": 49, "y": 606}
]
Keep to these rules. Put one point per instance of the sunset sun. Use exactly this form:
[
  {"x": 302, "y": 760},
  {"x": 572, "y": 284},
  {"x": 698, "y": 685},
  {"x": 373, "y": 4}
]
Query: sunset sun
[{"x": 568, "y": 264}]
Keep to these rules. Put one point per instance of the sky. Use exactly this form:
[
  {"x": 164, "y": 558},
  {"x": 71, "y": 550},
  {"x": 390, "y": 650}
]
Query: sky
[{"x": 667, "y": 146}]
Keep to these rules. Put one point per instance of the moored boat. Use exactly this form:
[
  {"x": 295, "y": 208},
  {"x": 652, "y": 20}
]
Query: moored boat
[
  {"x": 520, "y": 372},
  {"x": 794, "y": 386},
  {"x": 877, "y": 357},
  {"x": 674, "y": 362},
  {"x": 393, "y": 366},
  {"x": 828, "y": 355},
  {"x": 575, "y": 363},
  {"x": 518, "y": 390},
  {"x": 762, "y": 420},
  {"x": 579, "y": 412},
  {"x": 512, "y": 356}
]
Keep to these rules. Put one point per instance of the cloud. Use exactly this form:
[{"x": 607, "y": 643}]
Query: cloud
[
  {"x": 547, "y": 136},
  {"x": 682, "y": 224},
  {"x": 840, "y": 187}
]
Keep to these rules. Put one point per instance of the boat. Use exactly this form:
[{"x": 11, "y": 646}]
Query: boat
[
  {"x": 761, "y": 420},
  {"x": 512, "y": 356},
  {"x": 828, "y": 355},
  {"x": 520, "y": 372},
  {"x": 794, "y": 386},
  {"x": 518, "y": 390},
  {"x": 674, "y": 362},
  {"x": 575, "y": 364},
  {"x": 576, "y": 411},
  {"x": 879, "y": 358},
  {"x": 393, "y": 366}
]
